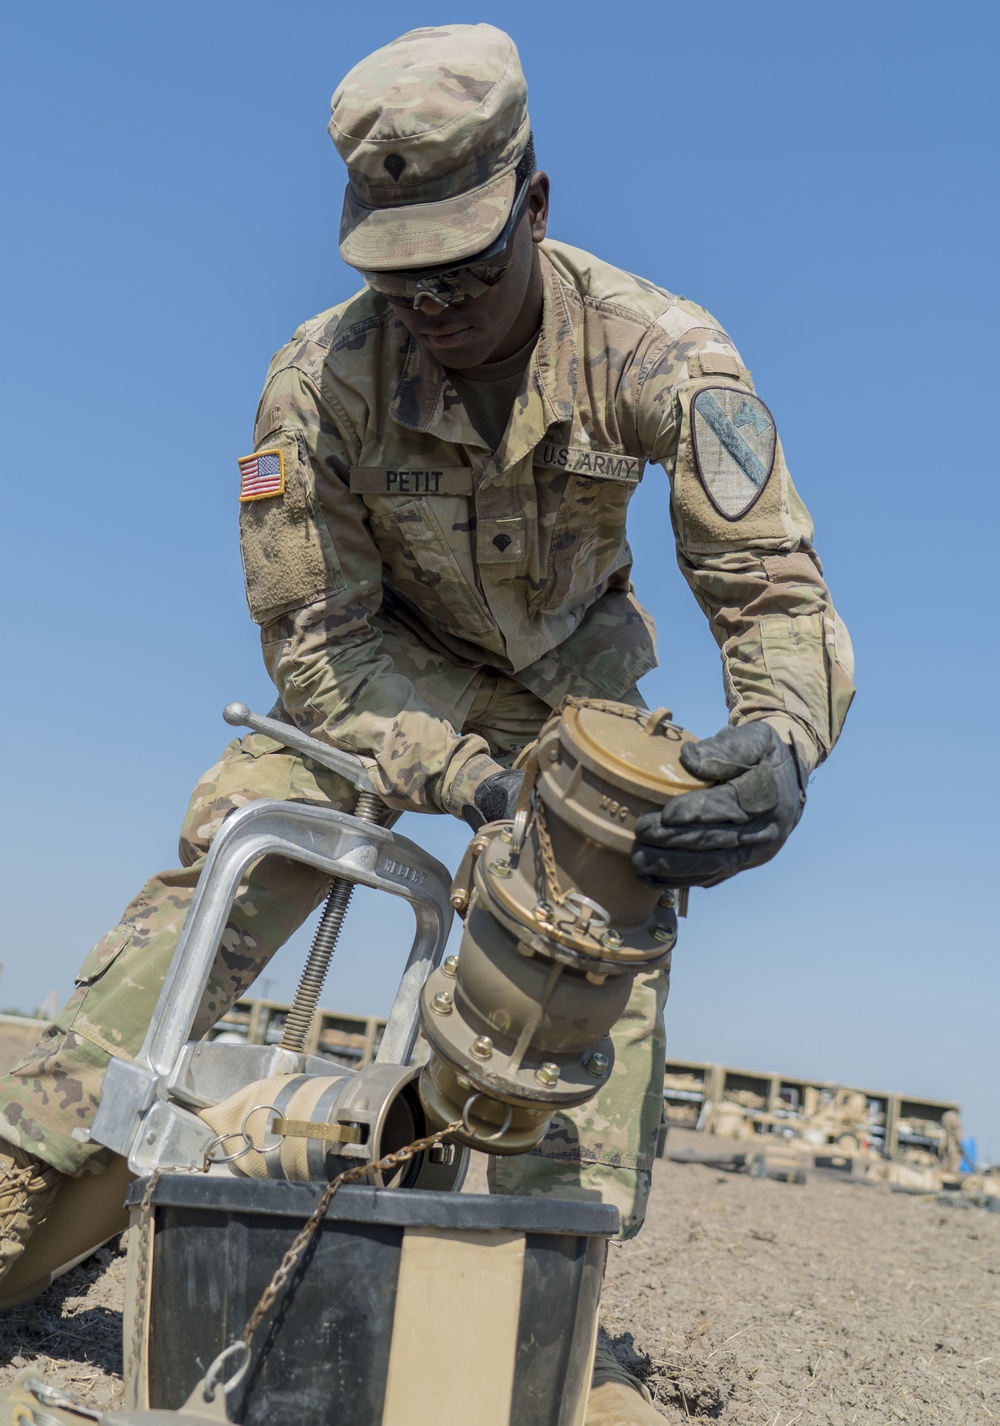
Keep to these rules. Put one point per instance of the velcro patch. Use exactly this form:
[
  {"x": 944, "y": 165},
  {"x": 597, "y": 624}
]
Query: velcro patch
[
  {"x": 581, "y": 460},
  {"x": 262, "y": 475},
  {"x": 734, "y": 444},
  {"x": 377, "y": 480}
]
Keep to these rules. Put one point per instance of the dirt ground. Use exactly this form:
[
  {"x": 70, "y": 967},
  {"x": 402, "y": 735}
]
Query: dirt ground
[{"x": 745, "y": 1301}]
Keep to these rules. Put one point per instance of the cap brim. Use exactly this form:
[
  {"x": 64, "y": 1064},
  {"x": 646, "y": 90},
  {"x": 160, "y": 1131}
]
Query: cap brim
[{"x": 425, "y": 234}]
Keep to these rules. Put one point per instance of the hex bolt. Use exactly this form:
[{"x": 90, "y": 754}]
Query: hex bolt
[
  {"x": 441, "y": 1003},
  {"x": 547, "y": 1074},
  {"x": 506, "y": 834},
  {"x": 663, "y": 933},
  {"x": 482, "y": 1047},
  {"x": 612, "y": 940},
  {"x": 500, "y": 869},
  {"x": 597, "y": 1063},
  {"x": 669, "y": 898},
  {"x": 544, "y": 911},
  {"x": 459, "y": 900},
  {"x": 450, "y": 965}
]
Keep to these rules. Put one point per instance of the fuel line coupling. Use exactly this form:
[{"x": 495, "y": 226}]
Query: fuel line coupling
[{"x": 557, "y": 925}]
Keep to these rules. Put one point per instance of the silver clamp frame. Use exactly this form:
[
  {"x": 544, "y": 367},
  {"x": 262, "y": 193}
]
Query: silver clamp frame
[{"x": 139, "y": 1115}]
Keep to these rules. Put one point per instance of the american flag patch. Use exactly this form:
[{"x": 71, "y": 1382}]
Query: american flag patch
[{"x": 261, "y": 475}]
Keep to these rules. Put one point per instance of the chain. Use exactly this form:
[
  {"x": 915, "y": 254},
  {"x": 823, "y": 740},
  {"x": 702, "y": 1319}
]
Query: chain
[
  {"x": 553, "y": 888},
  {"x": 308, "y": 1230},
  {"x": 144, "y": 1225}
]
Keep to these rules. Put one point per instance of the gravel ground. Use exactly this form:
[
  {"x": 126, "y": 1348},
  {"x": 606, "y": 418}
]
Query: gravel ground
[{"x": 749, "y": 1302}]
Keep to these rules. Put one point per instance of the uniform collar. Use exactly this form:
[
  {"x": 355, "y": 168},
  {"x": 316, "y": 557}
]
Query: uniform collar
[{"x": 426, "y": 401}]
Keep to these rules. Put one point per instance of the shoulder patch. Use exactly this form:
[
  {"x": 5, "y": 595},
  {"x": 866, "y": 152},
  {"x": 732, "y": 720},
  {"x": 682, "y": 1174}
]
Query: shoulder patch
[
  {"x": 262, "y": 475},
  {"x": 734, "y": 441}
]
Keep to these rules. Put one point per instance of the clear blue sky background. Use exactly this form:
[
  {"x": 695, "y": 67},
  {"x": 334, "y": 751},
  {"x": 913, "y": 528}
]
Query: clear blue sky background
[{"x": 821, "y": 177}]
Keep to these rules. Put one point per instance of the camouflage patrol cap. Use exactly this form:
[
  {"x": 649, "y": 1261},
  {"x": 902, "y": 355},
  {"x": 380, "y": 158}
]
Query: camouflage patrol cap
[{"x": 431, "y": 128}]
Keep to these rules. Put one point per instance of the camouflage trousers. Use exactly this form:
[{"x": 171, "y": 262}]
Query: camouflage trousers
[{"x": 602, "y": 1151}]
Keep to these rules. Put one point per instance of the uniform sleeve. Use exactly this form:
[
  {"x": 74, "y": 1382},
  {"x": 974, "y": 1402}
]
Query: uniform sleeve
[
  {"x": 313, "y": 579},
  {"x": 744, "y": 543}
]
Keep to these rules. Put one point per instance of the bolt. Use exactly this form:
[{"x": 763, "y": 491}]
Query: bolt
[
  {"x": 669, "y": 898},
  {"x": 450, "y": 965},
  {"x": 663, "y": 933},
  {"x": 500, "y": 869},
  {"x": 459, "y": 900},
  {"x": 151, "y": 1137},
  {"x": 441, "y": 1003},
  {"x": 612, "y": 940},
  {"x": 544, "y": 911},
  {"x": 463, "y": 1082},
  {"x": 597, "y": 1063},
  {"x": 553, "y": 753},
  {"x": 482, "y": 1047},
  {"x": 547, "y": 1074},
  {"x": 506, "y": 834}
]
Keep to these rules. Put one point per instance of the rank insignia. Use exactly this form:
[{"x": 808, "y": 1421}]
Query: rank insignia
[
  {"x": 734, "y": 440},
  {"x": 262, "y": 475}
]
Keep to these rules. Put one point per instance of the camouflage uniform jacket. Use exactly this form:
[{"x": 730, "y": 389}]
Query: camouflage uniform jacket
[{"x": 392, "y": 508}]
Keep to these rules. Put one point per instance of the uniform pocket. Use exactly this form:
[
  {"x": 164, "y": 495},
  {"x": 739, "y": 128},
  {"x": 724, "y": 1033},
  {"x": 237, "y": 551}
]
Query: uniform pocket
[
  {"x": 104, "y": 954},
  {"x": 588, "y": 540},
  {"x": 422, "y": 565}
]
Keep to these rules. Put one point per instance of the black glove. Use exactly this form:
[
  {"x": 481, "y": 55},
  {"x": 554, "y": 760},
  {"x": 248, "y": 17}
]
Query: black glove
[
  {"x": 703, "y": 837},
  {"x": 494, "y": 799}
]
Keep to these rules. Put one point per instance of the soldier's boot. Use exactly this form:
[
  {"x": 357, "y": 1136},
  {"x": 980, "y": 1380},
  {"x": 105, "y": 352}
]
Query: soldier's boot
[
  {"x": 28, "y": 1189},
  {"x": 617, "y": 1398}
]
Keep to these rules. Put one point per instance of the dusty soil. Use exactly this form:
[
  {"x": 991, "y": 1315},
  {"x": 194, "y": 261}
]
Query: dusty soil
[{"x": 745, "y": 1301}]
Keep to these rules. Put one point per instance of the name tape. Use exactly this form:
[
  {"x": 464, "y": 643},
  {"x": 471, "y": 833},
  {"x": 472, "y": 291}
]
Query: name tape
[{"x": 379, "y": 480}]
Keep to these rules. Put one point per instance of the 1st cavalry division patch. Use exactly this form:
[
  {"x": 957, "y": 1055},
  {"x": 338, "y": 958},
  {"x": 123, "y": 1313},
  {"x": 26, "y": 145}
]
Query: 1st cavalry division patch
[
  {"x": 734, "y": 442},
  {"x": 262, "y": 475}
]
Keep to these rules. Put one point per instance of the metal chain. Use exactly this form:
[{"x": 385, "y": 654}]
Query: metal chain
[
  {"x": 553, "y": 888},
  {"x": 308, "y": 1230},
  {"x": 144, "y": 1225}
]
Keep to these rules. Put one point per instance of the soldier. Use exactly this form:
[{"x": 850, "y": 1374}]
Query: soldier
[{"x": 433, "y": 534}]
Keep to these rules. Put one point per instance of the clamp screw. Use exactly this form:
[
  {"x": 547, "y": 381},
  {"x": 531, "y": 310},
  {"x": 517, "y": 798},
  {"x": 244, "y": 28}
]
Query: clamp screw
[
  {"x": 500, "y": 869},
  {"x": 663, "y": 934},
  {"x": 612, "y": 940},
  {"x": 441, "y": 1003},
  {"x": 547, "y": 1074},
  {"x": 450, "y": 965},
  {"x": 482, "y": 1047},
  {"x": 597, "y": 1063}
]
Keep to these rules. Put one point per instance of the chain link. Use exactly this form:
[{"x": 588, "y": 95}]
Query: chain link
[
  {"x": 308, "y": 1230},
  {"x": 553, "y": 887}
]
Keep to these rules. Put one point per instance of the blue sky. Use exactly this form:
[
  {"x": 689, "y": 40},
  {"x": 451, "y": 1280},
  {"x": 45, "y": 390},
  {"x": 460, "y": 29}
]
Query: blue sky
[{"x": 822, "y": 178}]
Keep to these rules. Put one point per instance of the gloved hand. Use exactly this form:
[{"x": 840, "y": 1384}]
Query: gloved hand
[
  {"x": 495, "y": 798},
  {"x": 703, "y": 837}
]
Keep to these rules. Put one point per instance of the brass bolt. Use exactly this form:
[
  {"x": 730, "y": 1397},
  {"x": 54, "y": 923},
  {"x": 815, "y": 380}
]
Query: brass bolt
[
  {"x": 612, "y": 940},
  {"x": 500, "y": 869},
  {"x": 482, "y": 1047},
  {"x": 663, "y": 933},
  {"x": 459, "y": 900},
  {"x": 441, "y": 1003},
  {"x": 506, "y": 834},
  {"x": 450, "y": 965},
  {"x": 547, "y": 1074},
  {"x": 597, "y": 1063},
  {"x": 544, "y": 911}
]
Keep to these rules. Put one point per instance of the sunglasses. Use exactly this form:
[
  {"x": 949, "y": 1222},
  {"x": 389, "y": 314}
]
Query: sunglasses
[{"x": 457, "y": 283}]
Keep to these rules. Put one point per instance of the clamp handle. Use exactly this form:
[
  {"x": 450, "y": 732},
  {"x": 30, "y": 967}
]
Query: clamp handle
[{"x": 346, "y": 764}]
